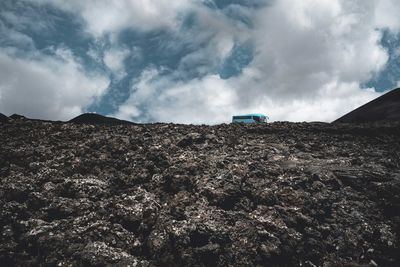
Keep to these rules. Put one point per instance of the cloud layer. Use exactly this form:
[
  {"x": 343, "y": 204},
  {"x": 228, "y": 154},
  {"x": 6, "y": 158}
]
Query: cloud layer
[
  {"x": 112, "y": 16},
  {"x": 47, "y": 87},
  {"x": 199, "y": 61},
  {"x": 311, "y": 58}
]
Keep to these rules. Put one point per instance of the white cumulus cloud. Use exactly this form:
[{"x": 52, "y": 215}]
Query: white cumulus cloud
[
  {"x": 311, "y": 58},
  {"x": 198, "y": 101},
  {"x": 47, "y": 87},
  {"x": 114, "y": 60},
  {"x": 110, "y": 16}
]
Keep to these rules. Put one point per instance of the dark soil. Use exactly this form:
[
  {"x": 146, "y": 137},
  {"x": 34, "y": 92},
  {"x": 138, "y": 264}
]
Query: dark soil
[
  {"x": 383, "y": 108},
  {"x": 280, "y": 194}
]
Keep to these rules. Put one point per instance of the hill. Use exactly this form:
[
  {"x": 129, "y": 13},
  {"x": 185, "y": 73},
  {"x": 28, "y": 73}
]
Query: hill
[
  {"x": 93, "y": 118},
  {"x": 383, "y": 108},
  {"x": 17, "y": 117},
  {"x": 279, "y": 194}
]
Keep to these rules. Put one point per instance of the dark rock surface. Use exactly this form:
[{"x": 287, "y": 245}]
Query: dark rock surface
[
  {"x": 3, "y": 118},
  {"x": 93, "y": 118},
  {"x": 383, "y": 108},
  {"x": 280, "y": 194}
]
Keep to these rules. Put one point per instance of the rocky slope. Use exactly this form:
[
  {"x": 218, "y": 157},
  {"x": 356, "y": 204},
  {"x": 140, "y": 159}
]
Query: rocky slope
[{"x": 280, "y": 194}]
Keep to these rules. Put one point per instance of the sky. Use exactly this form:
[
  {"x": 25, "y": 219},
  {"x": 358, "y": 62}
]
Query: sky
[{"x": 196, "y": 61}]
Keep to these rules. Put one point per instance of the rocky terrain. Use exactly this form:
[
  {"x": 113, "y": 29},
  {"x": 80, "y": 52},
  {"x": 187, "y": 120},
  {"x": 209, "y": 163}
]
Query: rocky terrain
[
  {"x": 279, "y": 194},
  {"x": 3, "y": 118}
]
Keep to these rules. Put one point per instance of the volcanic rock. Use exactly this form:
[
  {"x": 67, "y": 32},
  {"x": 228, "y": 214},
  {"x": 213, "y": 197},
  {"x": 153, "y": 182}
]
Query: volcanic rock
[
  {"x": 279, "y": 194},
  {"x": 93, "y": 118},
  {"x": 383, "y": 108},
  {"x": 3, "y": 118}
]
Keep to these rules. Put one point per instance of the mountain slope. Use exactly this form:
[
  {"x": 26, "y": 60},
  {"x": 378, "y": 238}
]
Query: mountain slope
[{"x": 383, "y": 108}]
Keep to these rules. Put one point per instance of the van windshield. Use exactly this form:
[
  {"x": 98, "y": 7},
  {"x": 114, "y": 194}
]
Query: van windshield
[{"x": 249, "y": 118}]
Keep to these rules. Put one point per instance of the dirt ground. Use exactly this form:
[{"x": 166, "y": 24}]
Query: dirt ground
[{"x": 279, "y": 194}]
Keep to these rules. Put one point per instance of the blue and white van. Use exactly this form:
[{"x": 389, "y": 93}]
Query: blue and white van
[{"x": 250, "y": 118}]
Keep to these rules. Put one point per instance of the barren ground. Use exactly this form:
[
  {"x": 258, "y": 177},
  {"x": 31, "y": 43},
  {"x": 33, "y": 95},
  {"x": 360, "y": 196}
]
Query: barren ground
[{"x": 280, "y": 194}]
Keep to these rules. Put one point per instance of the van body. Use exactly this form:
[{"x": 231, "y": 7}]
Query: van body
[{"x": 250, "y": 118}]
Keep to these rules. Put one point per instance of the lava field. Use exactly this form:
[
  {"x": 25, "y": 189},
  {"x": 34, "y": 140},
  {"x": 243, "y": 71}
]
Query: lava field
[{"x": 279, "y": 194}]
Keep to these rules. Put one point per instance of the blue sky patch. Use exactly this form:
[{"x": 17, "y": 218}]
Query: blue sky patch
[{"x": 387, "y": 79}]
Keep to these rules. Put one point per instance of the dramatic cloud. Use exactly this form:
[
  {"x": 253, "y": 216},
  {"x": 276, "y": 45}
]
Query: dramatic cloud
[
  {"x": 387, "y": 14},
  {"x": 47, "y": 87},
  {"x": 197, "y": 61},
  {"x": 114, "y": 60},
  {"x": 311, "y": 58},
  {"x": 197, "y": 101},
  {"x": 213, "y": 100},
  {"x": 110, "y": 16}
]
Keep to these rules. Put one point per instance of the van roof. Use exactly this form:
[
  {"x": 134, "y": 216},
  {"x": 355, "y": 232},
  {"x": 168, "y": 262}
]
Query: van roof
[{"x": 252, "y": 114}]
